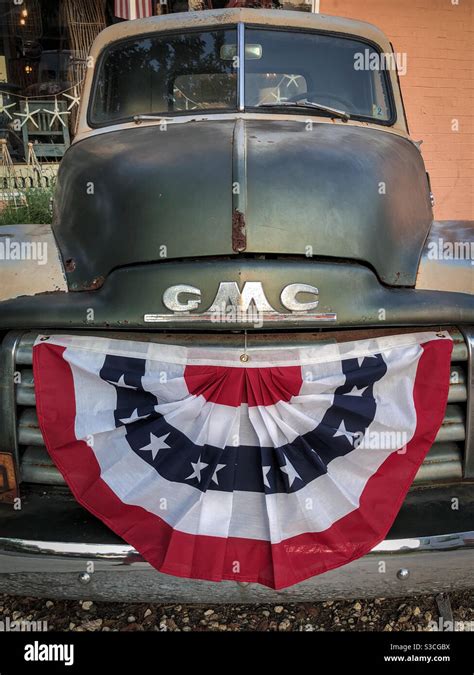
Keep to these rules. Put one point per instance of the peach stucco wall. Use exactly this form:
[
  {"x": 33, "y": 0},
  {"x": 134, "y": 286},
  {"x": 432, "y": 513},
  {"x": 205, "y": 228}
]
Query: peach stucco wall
[{"x": 438, "y": 38}]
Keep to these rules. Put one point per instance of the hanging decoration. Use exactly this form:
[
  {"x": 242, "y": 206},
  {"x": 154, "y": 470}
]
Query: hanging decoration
[
  {"x": 28, "y": 115},
  {"x": 74, "y": 98},
  {"x": 56, "y": 113},
  {"x": 52, "y": 119},
  {"x": 270, "y": 470},
  {"x": 71, "y": 93},
  {"x": 4, "y": 109}
]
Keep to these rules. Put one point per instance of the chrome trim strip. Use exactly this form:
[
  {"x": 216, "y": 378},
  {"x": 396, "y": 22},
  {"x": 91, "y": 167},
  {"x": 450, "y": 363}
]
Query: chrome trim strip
[
  {"x": 468, "y": 332},
  {"x": 240, "y": 318},
  {"x": 453, "y": 427},
  {"x": 38, "y": 467},
  {"x": 442, "y": 463},
  {"x": 241, "y": 66}
]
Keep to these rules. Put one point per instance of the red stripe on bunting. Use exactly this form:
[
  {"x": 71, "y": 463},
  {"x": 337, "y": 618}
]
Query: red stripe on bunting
[{"x": 215, "y": 558}]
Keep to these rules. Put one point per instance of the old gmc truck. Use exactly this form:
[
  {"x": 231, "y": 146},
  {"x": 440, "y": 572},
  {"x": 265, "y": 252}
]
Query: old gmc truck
[{"x": 236, "y": 159}]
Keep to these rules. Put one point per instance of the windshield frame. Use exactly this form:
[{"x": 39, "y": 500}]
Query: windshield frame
[{"x": 240, "y": 107}]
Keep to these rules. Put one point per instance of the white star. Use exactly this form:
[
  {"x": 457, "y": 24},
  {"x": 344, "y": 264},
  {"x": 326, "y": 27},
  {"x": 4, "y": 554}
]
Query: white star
[
  {"x": 75, "y": 98},
  {"x": 135, "y": 416},
  {"x": 56, "y": 114},
  {"x": 290, "y": 471},
  {"x": 342, "y": 431},
  {"x": 156, "y": 445},
  {"x": 121, "y": 383},
  {"x": 197, "y": 468},
  {"x": 214, "y": 475},
  {"x": 28, "y": 115},
  {"x": 292, "y": 79},
  {"x": 265, "y": 470},
  {"x": 356, "y": 392},
  {"x": 4, "y": 109}
]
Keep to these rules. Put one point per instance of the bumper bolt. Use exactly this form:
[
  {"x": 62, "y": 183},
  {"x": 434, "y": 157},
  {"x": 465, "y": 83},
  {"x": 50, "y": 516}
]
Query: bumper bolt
[
  {"x": 403, "y": 573},
  {"x": 84, "y": 577},
  {"x": 244, "y": 358}
]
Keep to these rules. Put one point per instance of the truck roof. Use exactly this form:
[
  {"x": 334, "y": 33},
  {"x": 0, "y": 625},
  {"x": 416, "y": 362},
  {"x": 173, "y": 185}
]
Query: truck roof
[{"x": 220, "y": 17}]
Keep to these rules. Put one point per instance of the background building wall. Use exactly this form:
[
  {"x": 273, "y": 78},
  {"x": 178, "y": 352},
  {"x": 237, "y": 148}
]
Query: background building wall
[{"x": 438, "y": 37}]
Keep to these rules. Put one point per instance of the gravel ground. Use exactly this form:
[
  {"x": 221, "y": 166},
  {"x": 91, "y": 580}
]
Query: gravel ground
[{"x": 402, "y": 614}]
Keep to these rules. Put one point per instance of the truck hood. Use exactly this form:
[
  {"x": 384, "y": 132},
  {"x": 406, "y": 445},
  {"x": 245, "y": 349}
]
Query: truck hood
[{"x": 235, "y": 187}]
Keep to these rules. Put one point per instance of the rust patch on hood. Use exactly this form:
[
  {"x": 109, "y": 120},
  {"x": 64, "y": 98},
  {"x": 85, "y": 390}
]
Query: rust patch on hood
[
  {"x": 70, "y": 265},
  {"x": 239, "y": 233},
  {"x": 94, "y": 284}
]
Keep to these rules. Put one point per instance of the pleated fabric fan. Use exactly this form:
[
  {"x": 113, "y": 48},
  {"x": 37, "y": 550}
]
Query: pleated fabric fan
[{"x": 270, "y": 470}]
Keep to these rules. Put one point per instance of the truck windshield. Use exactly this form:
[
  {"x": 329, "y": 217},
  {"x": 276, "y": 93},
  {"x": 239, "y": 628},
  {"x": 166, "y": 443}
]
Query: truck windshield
[{"x": 195, "y": 71}]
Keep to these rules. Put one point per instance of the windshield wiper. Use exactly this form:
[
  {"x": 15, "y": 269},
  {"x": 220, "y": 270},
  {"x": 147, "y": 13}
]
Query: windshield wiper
[
  {"x": 140, "y": 118},
  {"x": 304, "y": 104}
]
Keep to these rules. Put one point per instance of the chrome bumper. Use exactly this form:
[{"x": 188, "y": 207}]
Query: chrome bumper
[{"x": 395, "y": 567}]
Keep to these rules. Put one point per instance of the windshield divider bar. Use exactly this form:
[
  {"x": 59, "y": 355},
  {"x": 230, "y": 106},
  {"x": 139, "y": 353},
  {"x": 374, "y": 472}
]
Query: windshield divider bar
[{"x": 241, "y": 66}]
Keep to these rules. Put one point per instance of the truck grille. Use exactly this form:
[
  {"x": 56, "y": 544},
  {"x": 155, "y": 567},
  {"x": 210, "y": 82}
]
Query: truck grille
[{"x": 444, "y": 461}]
